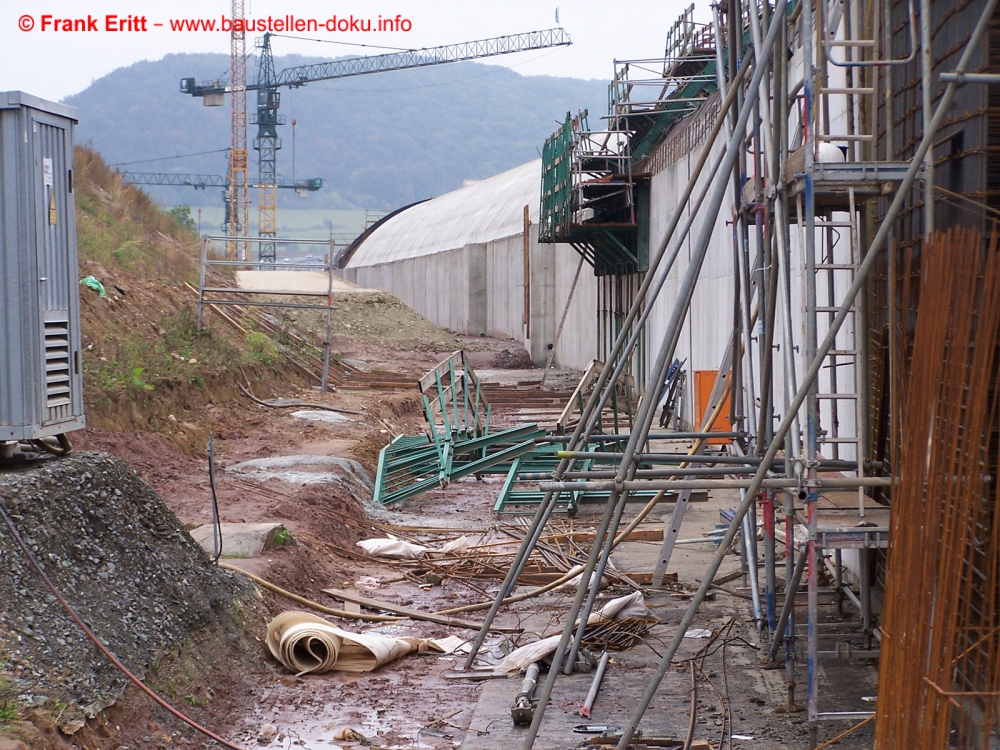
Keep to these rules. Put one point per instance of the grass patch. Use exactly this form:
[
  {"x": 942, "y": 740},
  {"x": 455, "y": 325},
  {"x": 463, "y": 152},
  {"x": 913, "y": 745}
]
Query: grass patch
[
  {"x": 146, "y": 363},
  {"x": 196, "y": 701},
  {"x": 119, "y": 225},
  {"x": 9, "y": 712},
  {"x": 281, "y": 538},
  {"x": 260, "y": 345}
]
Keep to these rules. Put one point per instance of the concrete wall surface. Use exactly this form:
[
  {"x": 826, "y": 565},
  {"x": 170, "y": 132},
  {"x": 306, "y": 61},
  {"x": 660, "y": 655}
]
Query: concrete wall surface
[{"x": 479, "y": 288}]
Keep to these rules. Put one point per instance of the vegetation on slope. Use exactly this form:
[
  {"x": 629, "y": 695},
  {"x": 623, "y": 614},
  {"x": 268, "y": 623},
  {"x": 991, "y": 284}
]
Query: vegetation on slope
[{"x": 147, "y": 365}]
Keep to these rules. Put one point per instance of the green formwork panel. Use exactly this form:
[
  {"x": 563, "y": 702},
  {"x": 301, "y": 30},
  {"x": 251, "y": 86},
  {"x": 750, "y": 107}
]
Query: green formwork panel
[
  {"x": 410, "y": 465},
  {"x": 407, "y": 466},
  {"x": 544, "y": 460}
]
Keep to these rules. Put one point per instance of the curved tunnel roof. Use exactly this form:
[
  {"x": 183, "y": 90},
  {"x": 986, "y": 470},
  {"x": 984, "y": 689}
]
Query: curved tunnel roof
[{"x": 481, "y": 212}]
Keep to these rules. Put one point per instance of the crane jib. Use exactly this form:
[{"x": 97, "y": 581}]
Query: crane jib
[
  {"x": 419, "y": 58},
  {"x": 267, "y": 144}
]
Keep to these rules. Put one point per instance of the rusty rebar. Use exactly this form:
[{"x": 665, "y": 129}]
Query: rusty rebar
[{"x": 940, "y": 673}]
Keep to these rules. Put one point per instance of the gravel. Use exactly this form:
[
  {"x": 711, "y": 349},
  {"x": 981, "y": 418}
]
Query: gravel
[{"x": 121, "y": 559}]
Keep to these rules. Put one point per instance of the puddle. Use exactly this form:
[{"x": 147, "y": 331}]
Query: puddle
[{"x": 311, "y": 713}]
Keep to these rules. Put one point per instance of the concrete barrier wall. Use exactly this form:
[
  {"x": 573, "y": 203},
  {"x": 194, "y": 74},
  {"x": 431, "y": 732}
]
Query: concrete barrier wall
[
  {"x": 577, "y": 345},
  {"x": 707, "y": 329},
  {"x": 505, "y": 287}
]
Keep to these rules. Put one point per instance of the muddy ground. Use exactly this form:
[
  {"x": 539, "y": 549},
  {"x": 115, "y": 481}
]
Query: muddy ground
[{"x": 413, "y": 702}]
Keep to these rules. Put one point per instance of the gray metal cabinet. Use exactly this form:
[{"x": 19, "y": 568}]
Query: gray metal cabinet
[{"x": 41, "y": 385}]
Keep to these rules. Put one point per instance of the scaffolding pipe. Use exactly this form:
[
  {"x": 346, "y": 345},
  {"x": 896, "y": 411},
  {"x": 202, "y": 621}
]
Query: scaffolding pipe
[
  {"x": 927, "y": 104},
  {"x": 822, "y": 464},
  {"x": 748, "y": 534},
  {"x": 828, "y": 341},
  {"x": 625, "y": 436},
  {"x": 585, "y": 424},
  {"x": 705, "y": 471},
  {"x": 811, "y": 385},
  {"x": 716, "y": 484},
  {"x": 963, "y": 78},
  {"x": 786, "y": 609},
  {"x": 647, "y": 408}
]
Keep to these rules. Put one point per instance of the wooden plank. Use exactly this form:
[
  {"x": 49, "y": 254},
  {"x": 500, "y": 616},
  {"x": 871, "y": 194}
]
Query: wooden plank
[
  {"x": 732, "y": 575},
  {"x": 415, "y": 614},
  {"x": 350, "y": 606},
  {"x": 646, "y": 579},
  {"x": 543, "y": 578},
  {"x": 636, "y": 535}
]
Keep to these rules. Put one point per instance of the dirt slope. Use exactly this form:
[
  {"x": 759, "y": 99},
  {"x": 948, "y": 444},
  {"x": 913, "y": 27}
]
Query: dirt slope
[{"x": 147, "y": 366}]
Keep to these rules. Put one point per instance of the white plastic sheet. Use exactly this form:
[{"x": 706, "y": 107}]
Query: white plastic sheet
[{"x": 397, "y": 549}]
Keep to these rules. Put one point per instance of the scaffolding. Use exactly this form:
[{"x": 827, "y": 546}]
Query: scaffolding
[{"x": 792, "y": 106}]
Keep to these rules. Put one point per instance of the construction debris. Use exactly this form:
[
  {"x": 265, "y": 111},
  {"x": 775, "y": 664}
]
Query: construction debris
[
  {"x": 398, "y": 549},
  {"x": 625, "y": 611}
]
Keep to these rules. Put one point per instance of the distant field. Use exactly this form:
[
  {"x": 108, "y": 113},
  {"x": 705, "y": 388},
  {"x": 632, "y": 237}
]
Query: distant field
[{"x": 308, "y": 223}]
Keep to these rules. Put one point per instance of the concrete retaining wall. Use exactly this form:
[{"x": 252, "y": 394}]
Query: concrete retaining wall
[{"x": 479, "y": 288}]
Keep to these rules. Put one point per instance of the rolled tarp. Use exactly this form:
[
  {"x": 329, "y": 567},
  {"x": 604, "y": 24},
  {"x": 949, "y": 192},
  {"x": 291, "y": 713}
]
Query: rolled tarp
[{"x": 307, "y": 644}]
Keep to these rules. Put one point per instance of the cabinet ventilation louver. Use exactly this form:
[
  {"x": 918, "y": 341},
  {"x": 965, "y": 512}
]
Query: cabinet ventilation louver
[{"x": 57, "y": 364}]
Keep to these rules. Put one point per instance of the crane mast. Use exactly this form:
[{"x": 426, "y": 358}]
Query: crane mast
[
  {"x": 266, "y": 144},
  {"x": 239, "y": 202}
]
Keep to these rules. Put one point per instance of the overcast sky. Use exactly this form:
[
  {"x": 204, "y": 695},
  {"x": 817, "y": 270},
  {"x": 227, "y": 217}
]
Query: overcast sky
[{"x": 54, "y": 65}]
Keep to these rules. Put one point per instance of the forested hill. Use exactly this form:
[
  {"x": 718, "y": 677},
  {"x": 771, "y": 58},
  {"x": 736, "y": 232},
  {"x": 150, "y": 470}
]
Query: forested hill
[{"x": 377, "y": 140}]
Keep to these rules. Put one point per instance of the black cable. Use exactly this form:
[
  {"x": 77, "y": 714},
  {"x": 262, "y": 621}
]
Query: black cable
[
  {"x": 216, "y": 522},
  {"x": 345, "y": 44},
  {"x": 168, "y": 158},
  {"x": 63, "y": 446}
]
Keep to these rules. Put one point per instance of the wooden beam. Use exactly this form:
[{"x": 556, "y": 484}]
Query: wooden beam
[
  {"x": 636, "y": 535},
  {"x": 414, "y": 614},
  {"x": 543, "y": 578}
]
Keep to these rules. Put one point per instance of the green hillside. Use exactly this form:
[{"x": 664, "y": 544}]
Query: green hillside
[{"x": 379, "y": 140}]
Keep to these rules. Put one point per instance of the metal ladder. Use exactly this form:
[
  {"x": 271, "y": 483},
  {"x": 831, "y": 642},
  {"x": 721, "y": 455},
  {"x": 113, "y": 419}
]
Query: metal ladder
[
  {"x": 838, "y": 255},
  {"x": 838, "y": 392}
]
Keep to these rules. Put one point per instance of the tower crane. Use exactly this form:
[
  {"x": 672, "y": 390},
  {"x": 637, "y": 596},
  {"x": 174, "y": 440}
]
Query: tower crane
[{"x": 267, "y": 143}]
